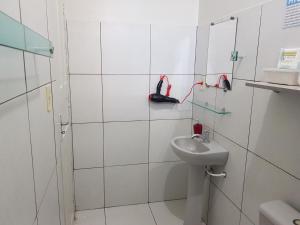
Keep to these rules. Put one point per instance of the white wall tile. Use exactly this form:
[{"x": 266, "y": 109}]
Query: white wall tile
[
  {"x": 167, "y": 181},
  {"x": 11, "y": 8},
  {"x": 125, "y": 48},
  {"x": 201, "y": 96},
  {"x": 49, "y": 210},
  {"x": 125, "y": 98},
  {"x": 16, "y": 165},
  {"x": 34, "y": 15},
  {"x": 173, "y": 49},
  {"x": 89, "y": 189},
  {"x": 235, "y": 126},
  {"x": 129, "y": 215},
  {"x": 12, "y": 77},
  {"x": 181, "y": 85},
  {"x": 88, "y": 145},
  {"x": 161, "y": 134},
  {"x": 126, "y": 142},
  {"x": 263, "y": 183},
  {"x": 90, "y": 217},
  {"x": 42, "y": 140},
  {"x": 86, "y": 96},
  {"x": 222, "y": 211},
  {"x": 37, "y": 70},
  {"x": 126, "y": 185},
  {"x": 232, "y": 186},
  {"x": 275, "y": 133},
  {"x": 273, "y": 14},
  {"x": 202, "y": 49},
  {"x": 84, "y": 47},
  {"x": 247, "y": 43}
]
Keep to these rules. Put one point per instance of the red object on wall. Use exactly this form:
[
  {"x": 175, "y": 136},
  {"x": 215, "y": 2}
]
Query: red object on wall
[{"x": 198, "y": 128}]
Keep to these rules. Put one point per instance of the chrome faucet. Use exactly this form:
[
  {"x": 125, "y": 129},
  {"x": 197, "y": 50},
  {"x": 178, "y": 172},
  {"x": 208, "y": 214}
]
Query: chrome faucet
[{"x": 204, "y": 136}]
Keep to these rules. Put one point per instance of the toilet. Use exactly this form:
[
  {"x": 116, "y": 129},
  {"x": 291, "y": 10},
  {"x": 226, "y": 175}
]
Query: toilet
[{"x": 278, "y": 213}]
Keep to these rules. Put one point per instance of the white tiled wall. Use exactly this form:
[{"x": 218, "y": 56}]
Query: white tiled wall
[
  {"x": 89, "y": 188},
  {"x": 84, "y": 43},
  {"x": 86, "y": 96},
  {"x": 126, "y": 48},
  {"x": 16, "y": 165},
  {"x": 172, "y": 49},
  {"x": 116, "y": 98},
  {"x": 42, "y": 140},
  {"x": 262, "y": 131},
  {"x": 126, "y": 143},
  {"x": 29, "y": 182},
  {"x": 88, "y": 145},
  {"x": 126, "y": 185},
  {"x": 37, "y": 70},
  {"x": 167, "y": 181},
  {"x": 12, "y": 81},
  {"x": 125, "y": 97}
]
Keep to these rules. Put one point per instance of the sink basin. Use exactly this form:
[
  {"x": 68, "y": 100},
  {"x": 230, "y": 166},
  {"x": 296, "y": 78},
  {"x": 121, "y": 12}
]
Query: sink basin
[
  {"x": 196, "y": 152},
  {"x": 197, "y": 155}
]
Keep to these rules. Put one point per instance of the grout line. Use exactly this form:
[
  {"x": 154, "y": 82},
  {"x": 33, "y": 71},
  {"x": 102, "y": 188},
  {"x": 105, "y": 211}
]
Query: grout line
[
  {"x": 70, "y": 107},
  {"x": 47, "y": 188},
  {"x": 13, "y": 98},
  {"x": 208, "y": 202},
  {"x": 129, "y": 121},
  {"x": 102, "y": 108},
  {"x": 53, "y": 122},
  {"x": 169, "y": 200},
  {"x": 131, "y": 164},
  {"x": 149, "y": 110},
  {"x": 105, "y": 219},
  {"x": 242, "y": 213},
  {"x": 261, "y": 157},
  {"x": 258, "y": 42},
  {"x": 193, "y": 96},
  {"x": 235, "y": 45},
  {"x": 132, "y": 74},
  {"x": 26, "y": 92},
  {"x": 229, "y": 139},
  {"x": 281, "y": 169},
  {"x": 30, "y": 140},
  {"x": 238, "y": 208},
  {"x": 152, "y": 214}
]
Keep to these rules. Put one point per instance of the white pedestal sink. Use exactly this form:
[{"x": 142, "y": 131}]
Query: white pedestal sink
[{"x": 198, "y": 155}]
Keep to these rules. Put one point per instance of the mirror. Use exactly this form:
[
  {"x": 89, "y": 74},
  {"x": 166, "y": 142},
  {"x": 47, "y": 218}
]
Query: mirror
[{"x": 221, "y": 52}]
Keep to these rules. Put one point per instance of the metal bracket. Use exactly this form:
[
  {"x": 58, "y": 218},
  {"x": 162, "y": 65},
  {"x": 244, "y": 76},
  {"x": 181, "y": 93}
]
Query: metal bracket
[{"x": 213, "y": 174}]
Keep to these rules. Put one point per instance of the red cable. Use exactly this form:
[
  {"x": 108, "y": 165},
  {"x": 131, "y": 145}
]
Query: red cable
[
  {"x": 198, "y": 83},
  {"x": 162, "y": 77},
  {"x": 224, "y": 76}
]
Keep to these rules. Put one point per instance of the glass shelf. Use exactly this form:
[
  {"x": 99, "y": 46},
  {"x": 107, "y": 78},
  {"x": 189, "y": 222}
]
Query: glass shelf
[
  {"x": 211, "y": 108},
  {"x": 15, "y": 35}
]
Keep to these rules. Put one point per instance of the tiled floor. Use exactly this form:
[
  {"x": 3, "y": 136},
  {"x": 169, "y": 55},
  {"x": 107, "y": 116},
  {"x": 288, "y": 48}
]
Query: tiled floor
[{"x": 159, "y": 213}]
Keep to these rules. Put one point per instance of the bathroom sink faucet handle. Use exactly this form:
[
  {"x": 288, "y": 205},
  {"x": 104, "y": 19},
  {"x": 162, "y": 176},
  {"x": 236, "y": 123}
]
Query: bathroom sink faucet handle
[
  {"x": 196, "y": 136},
  {"x": 204, "y": 136}
]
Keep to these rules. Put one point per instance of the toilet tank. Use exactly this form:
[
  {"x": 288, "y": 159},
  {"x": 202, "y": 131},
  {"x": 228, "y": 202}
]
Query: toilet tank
[{"x": 278, "y": 213}]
